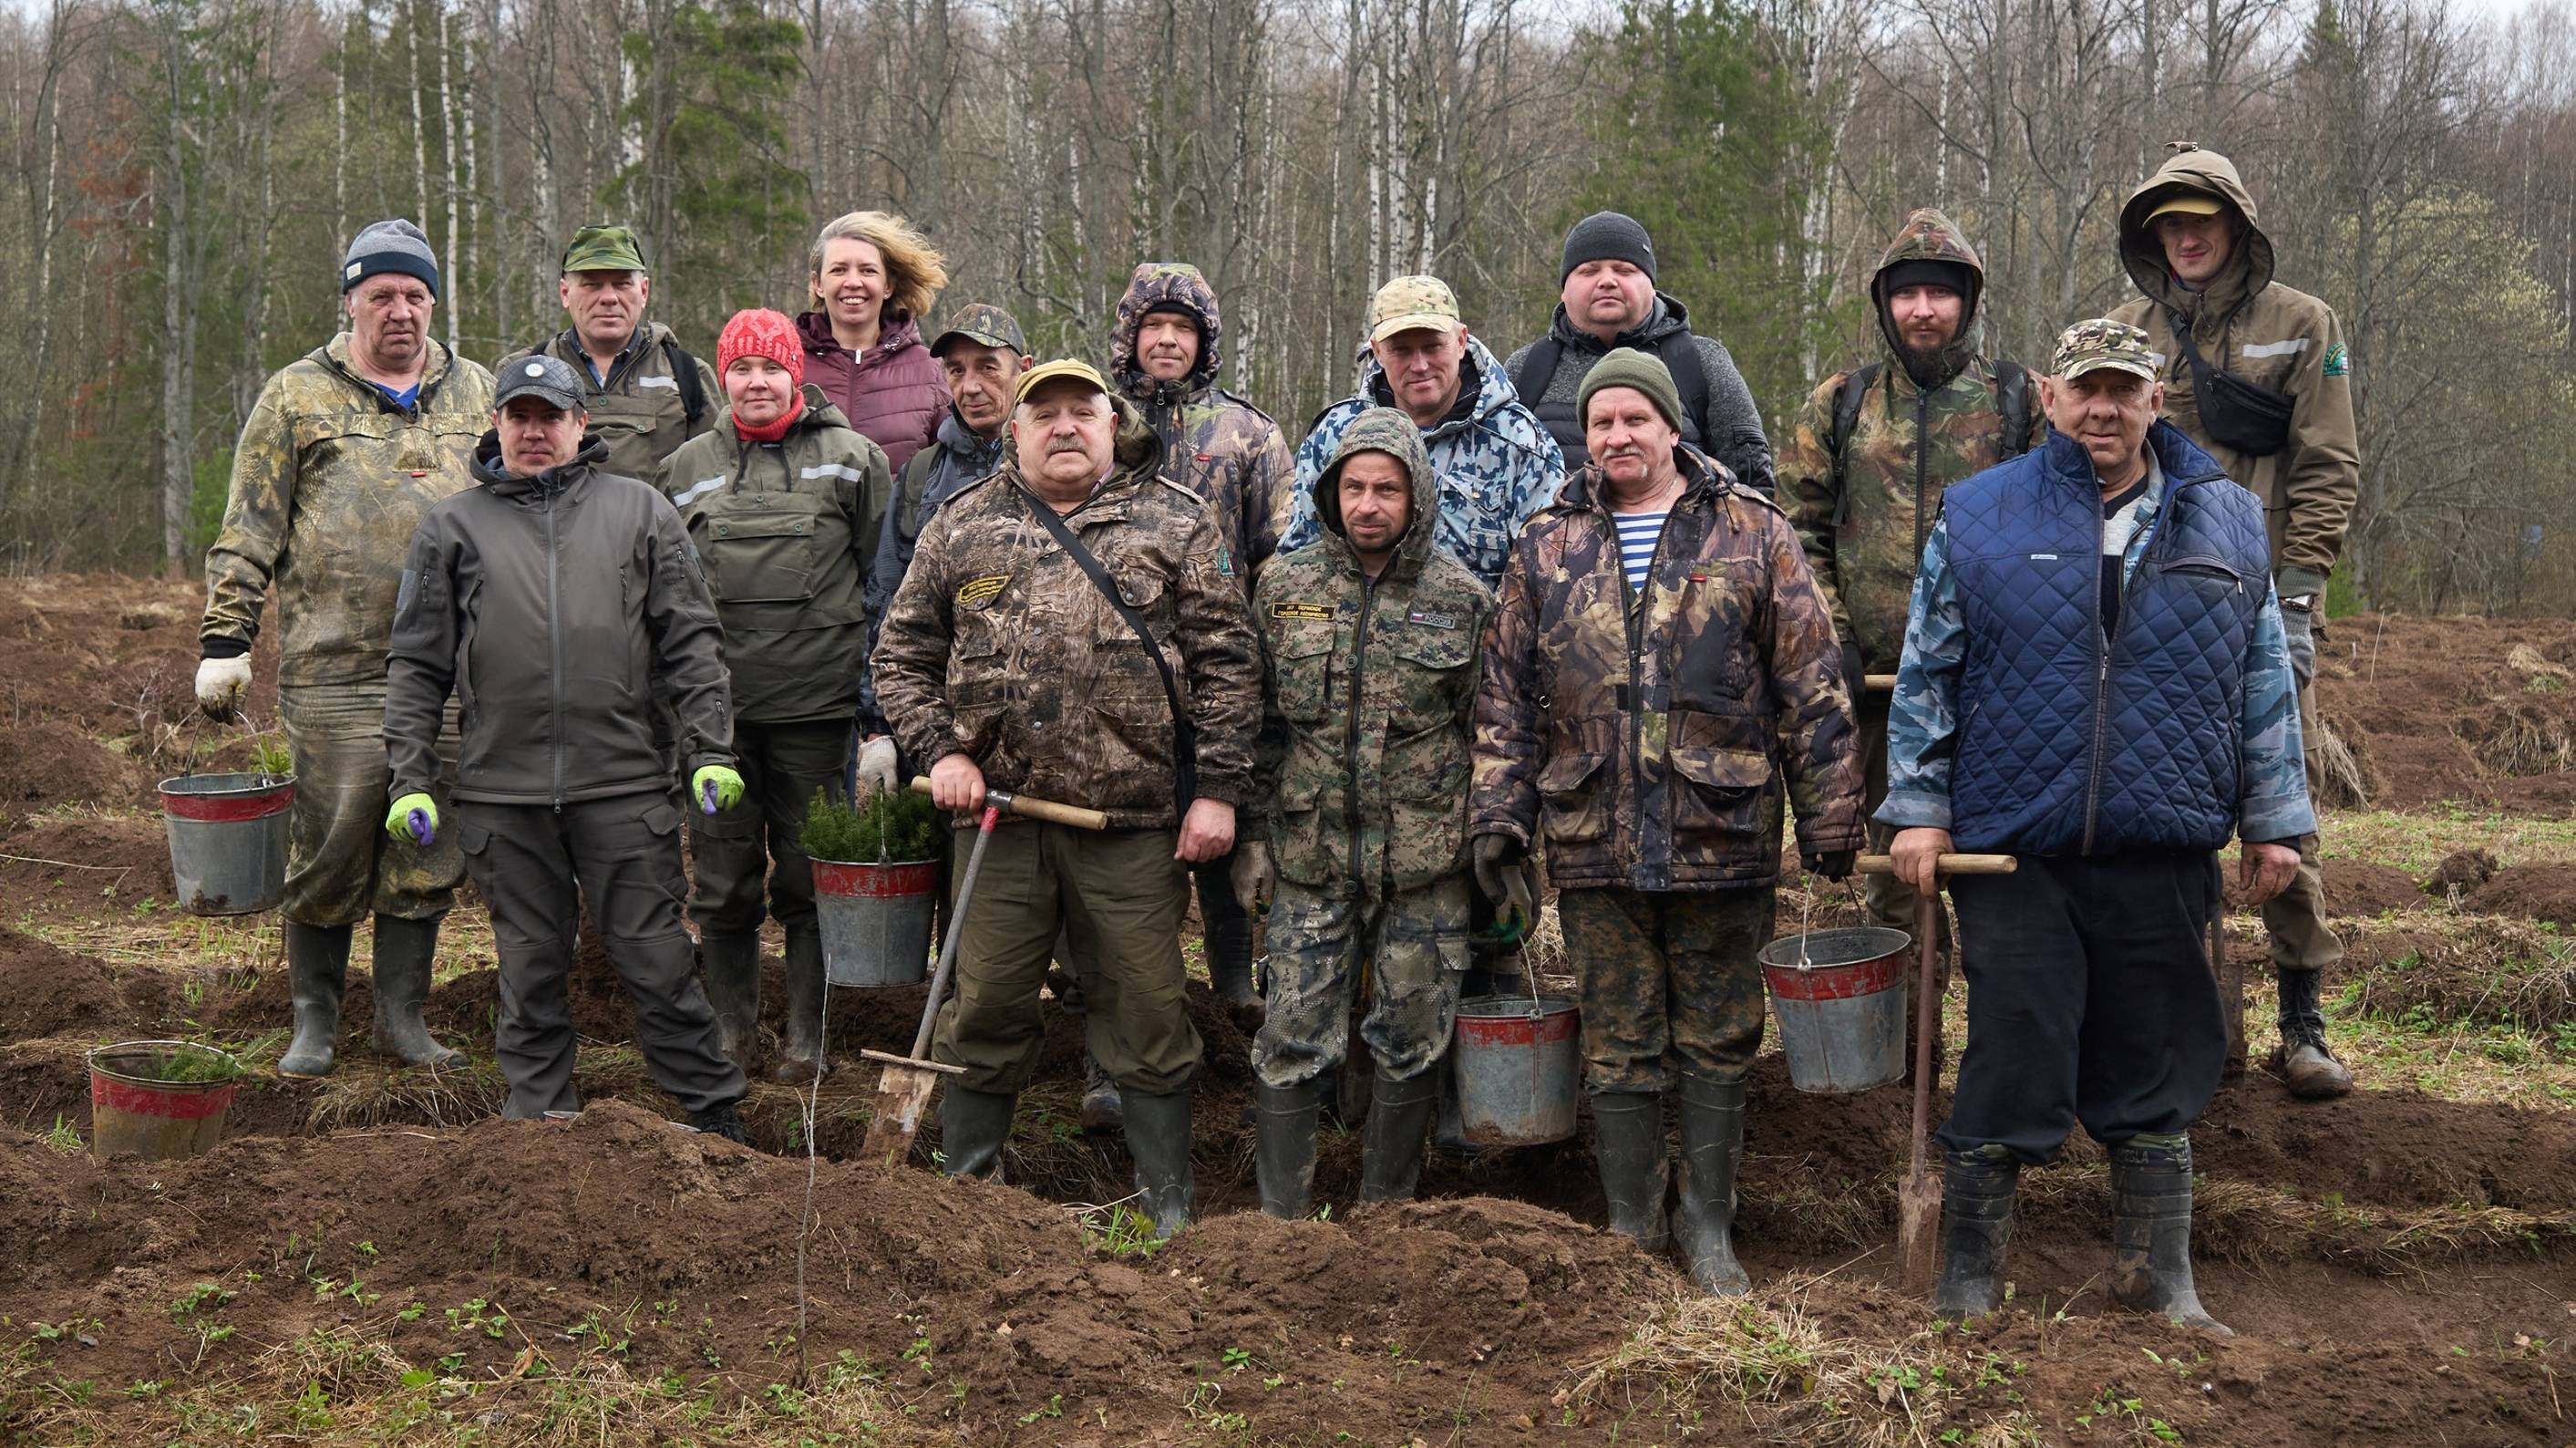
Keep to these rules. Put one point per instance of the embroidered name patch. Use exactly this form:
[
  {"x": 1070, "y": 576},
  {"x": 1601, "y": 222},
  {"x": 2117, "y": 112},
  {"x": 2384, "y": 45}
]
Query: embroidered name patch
[
  {"x": 1300, "y": 610},
  {"x": 1433, "y": 618},
  {"x": 976, "y": 590}
]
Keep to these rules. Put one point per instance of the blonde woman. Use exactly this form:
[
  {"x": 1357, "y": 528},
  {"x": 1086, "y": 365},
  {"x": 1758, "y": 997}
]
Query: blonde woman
[{"x": 872, "y": 278}]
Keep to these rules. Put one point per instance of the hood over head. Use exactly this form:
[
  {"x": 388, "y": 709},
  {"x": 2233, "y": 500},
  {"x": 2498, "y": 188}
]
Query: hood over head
[
  {"x": 2249, "y": 268},
  {"x": 1929, "y": 240},
  {"x": 1165, "y": 286},
  {"x": 1386, "y": 430}
]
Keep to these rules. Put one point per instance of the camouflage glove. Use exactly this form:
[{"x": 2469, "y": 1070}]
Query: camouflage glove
[
  {"x": 716, "y": 788},
  {"x": 1498, "y": 862},
  {"x": 414, "y": 817}
]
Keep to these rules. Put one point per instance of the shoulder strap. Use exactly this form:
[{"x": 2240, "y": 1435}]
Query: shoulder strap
[
  {"x": 684, "y": 371},
  {"x": 2012, "y": 399},
  {"x": 1537, "y": 368},
  {"x": 1680, "y": 352},
  {"x": 1185, "y": 735},
  {"x": 1847, "y": 400}
]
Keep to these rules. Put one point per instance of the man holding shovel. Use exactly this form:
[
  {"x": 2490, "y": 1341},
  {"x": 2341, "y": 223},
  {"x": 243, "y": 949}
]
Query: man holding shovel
[
  {"x": 1073, "y": 627},
  {"x": 2096, "y": 683}
]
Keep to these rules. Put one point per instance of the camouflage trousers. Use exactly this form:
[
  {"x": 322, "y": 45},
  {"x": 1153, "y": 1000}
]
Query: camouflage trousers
[
  {"x": 1412, "y": 947},
  {"x": 340, "y": 863},
  {"x": 1668, "y": 983}
]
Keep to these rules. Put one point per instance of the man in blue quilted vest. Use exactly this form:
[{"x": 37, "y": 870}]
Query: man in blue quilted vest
[{"x": 2095, "y": 682}]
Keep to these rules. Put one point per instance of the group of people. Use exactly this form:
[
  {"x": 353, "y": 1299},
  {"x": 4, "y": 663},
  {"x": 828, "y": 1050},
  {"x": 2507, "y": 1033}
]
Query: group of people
[{"x": 1487, "y": 616}]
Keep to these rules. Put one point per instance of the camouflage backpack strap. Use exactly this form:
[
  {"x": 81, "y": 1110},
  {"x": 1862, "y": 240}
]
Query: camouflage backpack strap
[
  {"x": 1847, "y": 400},
  {"x": 2012, "y": 399},
  {"x": 684, "y": 371},
  {"x": 1536, "y": 368}
]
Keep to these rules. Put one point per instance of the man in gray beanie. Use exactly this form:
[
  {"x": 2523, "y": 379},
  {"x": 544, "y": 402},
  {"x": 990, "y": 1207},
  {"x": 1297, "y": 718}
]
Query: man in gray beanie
[
  {"x": 1608, "y": 300},
  {"x": 345, "y": 450}
]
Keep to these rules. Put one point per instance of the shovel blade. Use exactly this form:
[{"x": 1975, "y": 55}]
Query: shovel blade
[
  {"x": 902, "y": 1095},
  {"x": 1918, "y": 1232}
]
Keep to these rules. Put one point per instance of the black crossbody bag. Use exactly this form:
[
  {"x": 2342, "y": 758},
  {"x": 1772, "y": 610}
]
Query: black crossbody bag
[
  {"x": 1185, "y": 735},
  {"x": 2252, "y": 419}
]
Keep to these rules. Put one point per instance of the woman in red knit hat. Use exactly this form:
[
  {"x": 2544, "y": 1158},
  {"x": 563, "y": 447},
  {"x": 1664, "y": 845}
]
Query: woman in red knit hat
[
  {"x": 873, "y": 278},
  {"x": 785, "y": 502}
]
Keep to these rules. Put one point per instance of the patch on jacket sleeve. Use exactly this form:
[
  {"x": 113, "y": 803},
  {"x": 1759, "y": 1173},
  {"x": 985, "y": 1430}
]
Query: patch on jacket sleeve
[
  {"x": 1301, "y": 610},
  {"x": 2338, "y": 361},
  {"x": 976, "y": 590}
]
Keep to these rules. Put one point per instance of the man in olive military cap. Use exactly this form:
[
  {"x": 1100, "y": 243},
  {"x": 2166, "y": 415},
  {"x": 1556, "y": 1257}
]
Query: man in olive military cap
[{"x": 645, "y": 395}]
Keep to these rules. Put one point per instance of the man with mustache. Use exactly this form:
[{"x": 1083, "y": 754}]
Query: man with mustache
[
  {"x": 345, "y": 451},
  {"x": 645, "y": 395}
]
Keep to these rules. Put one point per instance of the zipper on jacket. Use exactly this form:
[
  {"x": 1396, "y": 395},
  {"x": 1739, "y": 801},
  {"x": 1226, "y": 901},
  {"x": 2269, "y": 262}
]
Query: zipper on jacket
[
  {"x": 1922, "y": 418},
  {"x": 2102, "y": 644},
  {"x": 1351, "y": 727},
  {"x": 1635, "y": 606},
  {"x": 554, "y": 644}
]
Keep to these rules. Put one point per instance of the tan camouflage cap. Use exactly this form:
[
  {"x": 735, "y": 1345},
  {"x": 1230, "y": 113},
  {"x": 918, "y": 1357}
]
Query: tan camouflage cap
[
  {"x": 1066, "y": 370},
  {"x": 2090, "y": 346},
  {"x": 985, "y": 325},
  {"x": 1409, "y": 302},
  {"x": 603, "y": 248}
]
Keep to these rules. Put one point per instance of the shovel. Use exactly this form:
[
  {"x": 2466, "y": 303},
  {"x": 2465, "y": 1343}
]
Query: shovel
[
  {"x": 1918, "y": 1202},
  {"x": 904, "y": 1090}
]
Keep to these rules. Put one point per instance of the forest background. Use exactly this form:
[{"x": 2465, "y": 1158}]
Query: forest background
[{"x": 181, "y": 177}]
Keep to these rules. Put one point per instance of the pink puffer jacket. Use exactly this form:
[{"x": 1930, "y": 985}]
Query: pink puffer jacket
[{"x": 893, "y": 393}]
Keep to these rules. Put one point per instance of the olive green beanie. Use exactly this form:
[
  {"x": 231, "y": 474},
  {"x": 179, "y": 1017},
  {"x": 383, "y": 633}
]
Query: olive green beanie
[{"x": 1628, "y": 367}]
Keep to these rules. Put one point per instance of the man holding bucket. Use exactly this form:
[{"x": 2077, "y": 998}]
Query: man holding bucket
[
  {"x": 2095, "y": 682},
  {"x": 1661, "y": 672}
]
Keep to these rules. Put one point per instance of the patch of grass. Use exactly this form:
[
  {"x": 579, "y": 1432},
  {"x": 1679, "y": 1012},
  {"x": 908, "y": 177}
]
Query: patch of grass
[
  {"x": 2416, "y": 841},
  {"x": 65, "y": 1137}
]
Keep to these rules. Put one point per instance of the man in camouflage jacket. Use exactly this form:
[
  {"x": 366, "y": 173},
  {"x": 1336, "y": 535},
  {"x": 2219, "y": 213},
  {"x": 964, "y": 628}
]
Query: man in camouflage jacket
[
  {"x": 1928, "y": 413},
  {"x": 1359, "y": 807},
  {"x": 343, "y": 453},
  {"x": 1002, "y": 664},
  {"x": 1165, "y": 350},
  {"x": 1647, "y": 723}
]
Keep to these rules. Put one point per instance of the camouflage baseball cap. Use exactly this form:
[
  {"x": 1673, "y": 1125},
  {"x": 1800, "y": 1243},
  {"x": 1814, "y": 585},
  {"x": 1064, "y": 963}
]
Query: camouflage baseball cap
[
  {"x": 603, "y": 248},
  {"x": 1409, "y": 302},
  {"x": 2090, "y": 346},
  {"x": 985, "y": 325},
  {"x": 1067, "y": 370},
  {"x": 544, "y": 376}
]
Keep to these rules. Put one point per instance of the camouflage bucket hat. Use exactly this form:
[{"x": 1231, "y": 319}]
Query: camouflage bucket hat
[
  {"x": 985, "y": 325},
  {"x": 2090, "y": 346},
  {"x": 1407, "y": 303},
  {"x": 603, "y": 248}
]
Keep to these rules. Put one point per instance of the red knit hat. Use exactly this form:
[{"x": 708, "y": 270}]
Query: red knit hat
[{"x": 760, "y": 332}]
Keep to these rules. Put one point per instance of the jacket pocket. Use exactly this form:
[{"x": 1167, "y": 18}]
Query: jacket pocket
[
  {"x": 1432, "y": 668},
  {"x": 761, "y": 557},
  {"x": 1301, "y": 672},
  {"x": 1718, "y": 796},
  {"x": 1127, "y": 674},
  {"x": 1306, "y": 852},
  {"x": 978, "y": 682},
  {"x": 1572, "y": 811},
  {"x": 1717, "y": 667}
]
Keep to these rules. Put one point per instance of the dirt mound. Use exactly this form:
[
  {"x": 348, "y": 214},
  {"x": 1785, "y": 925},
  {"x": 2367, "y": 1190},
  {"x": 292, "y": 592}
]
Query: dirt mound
[
  {"x": 2465, "y": 869},
  {"x": 130, "y": 856},
  {"x": 2360, "y": 890},
  {"x": 2534, "y": 892},
  {"x": 49, "y": 992},
  {"x": 50, "y": 761},
  {"x": 2475, "y": 710}
]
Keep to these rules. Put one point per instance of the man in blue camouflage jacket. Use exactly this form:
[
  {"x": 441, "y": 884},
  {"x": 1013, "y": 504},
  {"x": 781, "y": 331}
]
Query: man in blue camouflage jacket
[{"x": 2095, "y": 682}]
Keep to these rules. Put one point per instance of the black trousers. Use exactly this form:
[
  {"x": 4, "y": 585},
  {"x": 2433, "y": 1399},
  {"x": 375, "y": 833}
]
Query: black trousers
[
  {"x": 623, "y": 854},
  {"x": 2090, "y": 998}
]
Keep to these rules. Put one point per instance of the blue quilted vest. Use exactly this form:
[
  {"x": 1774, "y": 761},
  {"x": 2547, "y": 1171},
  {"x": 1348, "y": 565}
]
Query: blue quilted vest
[{"x": 2069, "y": 746}]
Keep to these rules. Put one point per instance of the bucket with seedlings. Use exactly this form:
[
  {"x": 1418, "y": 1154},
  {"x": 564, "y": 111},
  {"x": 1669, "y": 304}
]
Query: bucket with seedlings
[
  {"x": 159, "y": 1100},
  {"x": 227, "y": 832},
  {"x": 875, "y": 879}
]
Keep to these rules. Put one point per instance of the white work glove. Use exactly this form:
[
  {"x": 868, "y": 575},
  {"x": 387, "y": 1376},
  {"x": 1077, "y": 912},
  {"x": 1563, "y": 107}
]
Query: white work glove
[
  {"x": 1251, "y": 876},
  {"x": 876, "y": 765},
  {"x": 221, "y": 683}
]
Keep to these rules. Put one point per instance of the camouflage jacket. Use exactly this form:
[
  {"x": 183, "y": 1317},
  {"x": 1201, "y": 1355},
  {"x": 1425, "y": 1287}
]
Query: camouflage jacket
[
  {"x": 1362, "y": 769},
  {"x": 1218, "y": 445},
  {"x": 1496, "y": 463},
  {"x": 1000, "y": 648},
  {"x": 1647, "y": 737},
  {"x": 330, "y": 478},
  {"x": 640, "y": 411},
  {"x": 1908, "y": 443},
  {"x": 787, "y": 533}
]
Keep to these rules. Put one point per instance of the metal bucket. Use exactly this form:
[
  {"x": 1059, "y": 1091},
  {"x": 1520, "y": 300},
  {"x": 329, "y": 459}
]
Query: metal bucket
[
  {"x": 228, "y": 840},
  {"x": 1519, "y": 1065},
  {"x": 1841, "y": 1014},
  {"x": 132, "y": 1109},
  {"x": 875, "y": 921}
]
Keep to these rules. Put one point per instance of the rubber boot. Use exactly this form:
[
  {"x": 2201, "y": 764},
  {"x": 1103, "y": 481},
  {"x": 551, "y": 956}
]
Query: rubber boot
[
  {"x": 973, "y": 1125},
  {"x": 1976, "y": 1221},
  {"x": 731, "y": 965},
  {"x": 1283, "y": 1147},
  {"x": 722, "y": 1121},
  {"x": 1229, "y": 963},
  {"x": 1158, "y": 1137},
  {"x": 1628, "y": 1139},
  {"x": 2151, "y": 1229},
  {"x": 1102, "y": 1115},
  {"x": 317, "y": 971},
  {"x": 1391, "y": 1148},
  {"x": 800, "y": 1056},
  {"x": 1712, "y": 1144},
  {"x": 2303, "y": 1061},
  {"x": 405, "y": 950}
]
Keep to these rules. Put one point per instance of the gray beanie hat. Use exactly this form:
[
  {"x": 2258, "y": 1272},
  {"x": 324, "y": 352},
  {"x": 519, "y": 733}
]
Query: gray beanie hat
[
  {"x": 1628, "y": 367},
  {"x": 1608, "y": 236},
  {"x": 390, "y": 246}
]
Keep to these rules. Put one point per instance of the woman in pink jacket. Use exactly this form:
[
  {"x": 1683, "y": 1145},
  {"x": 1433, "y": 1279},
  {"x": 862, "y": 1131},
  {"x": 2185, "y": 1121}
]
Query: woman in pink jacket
[{"x": 872, "y": 277}]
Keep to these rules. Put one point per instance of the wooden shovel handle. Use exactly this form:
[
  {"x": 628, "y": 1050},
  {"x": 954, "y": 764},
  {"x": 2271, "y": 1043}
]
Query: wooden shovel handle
[
  {"x": 1879, "y": 683},
  {"x": 1036, "y": 809},
  {"x": 1950, "y": 864}
]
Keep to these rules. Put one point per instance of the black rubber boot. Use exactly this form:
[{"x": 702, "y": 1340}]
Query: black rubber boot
[
  {"x": 731, "y": 966},
  {"x": 1158, "y": 1137},
  {"x": 1391, "y": 1149},
  {"x": 1229, "y": 963},
  {"x": 1628, "y": 1140},
  {"x": 1976, "y": 1221},
  {"x": 2303, "y": 1061},
  {"x": 317, "y": 971},
  {"x": 1712, "y": 1143},
  {"x": 2151, "y": 1229},
  {"x": 405, "y": 951},
  {"x": 973, "y": 1125},
  {"x": 800, "y": 1056},
  {"x": 1102, "y": 1115},
  {"x": 722, "y": 1121},
  {"x": 1283, "y": 1147}
]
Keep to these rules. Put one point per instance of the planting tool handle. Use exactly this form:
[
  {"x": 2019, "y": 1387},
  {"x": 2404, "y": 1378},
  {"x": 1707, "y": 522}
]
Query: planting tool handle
[
  {"x": 1034, "y": 809},
  {"x": 1927, "y": 1018},
  {"x": 956, "y": 922},
  {"x": 1879, "y": 683},
  {"x": 1949, "y": 864}
]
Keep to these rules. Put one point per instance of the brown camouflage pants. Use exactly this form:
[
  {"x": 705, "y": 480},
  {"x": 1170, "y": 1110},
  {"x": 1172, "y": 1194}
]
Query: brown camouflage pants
[
  {"x": 1668, "y": 983},
  {"x": 340, "y": 863},
  {"x": 1414, "y": 949}
]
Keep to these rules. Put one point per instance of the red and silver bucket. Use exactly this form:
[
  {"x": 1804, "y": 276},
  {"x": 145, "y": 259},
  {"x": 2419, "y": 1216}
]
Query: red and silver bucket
[
  {"x": 875, "y": 921},
  {"x": 1839, "y": 996},
  {"x": 228, "y": 840},
  {"x": 134, "y": 1107}
]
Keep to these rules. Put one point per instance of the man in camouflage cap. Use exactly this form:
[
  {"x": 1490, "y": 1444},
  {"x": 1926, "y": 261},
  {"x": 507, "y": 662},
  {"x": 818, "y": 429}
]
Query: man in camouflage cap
[
  {"x": 1003, "y": 663},
  {"x": 2094, "y": 682},
  {"x": 1862, "y": 479},
  {"x": 1358, "y": 808},
  {"x": 646, "y": 396},
  {"x": 343, "y": 453},
  {"x": 1660, "y": 678}
]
